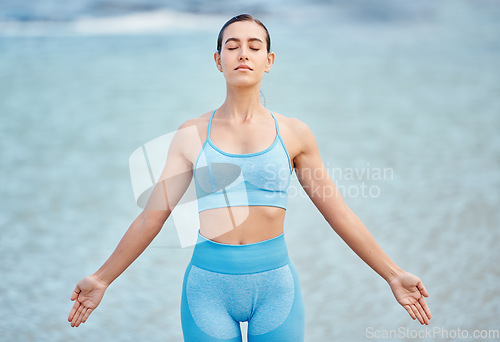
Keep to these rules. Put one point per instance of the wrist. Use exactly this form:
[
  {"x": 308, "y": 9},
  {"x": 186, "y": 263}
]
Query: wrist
[
  {"x": 393, "y": 273},
  {"x": 101, "y": 279}
]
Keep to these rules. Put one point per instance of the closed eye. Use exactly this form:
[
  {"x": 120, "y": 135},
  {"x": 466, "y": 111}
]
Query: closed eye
[{"x": 253, "y": 49}]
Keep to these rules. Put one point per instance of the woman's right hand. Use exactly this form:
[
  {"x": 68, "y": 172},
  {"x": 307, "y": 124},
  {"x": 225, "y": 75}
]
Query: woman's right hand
[{"x": 87, "y": 296}]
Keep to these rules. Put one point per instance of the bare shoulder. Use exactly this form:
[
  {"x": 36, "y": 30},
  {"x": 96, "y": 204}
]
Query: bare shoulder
[
  {"x": 296, "y": 125},
  {"x": 190, "y": 135},
  {"x": 298, "y": 134},
  {"x": 196, "y": 121}
]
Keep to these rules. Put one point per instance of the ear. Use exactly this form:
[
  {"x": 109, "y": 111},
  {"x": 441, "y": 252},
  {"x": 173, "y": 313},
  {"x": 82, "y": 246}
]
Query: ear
[
  {"x": 217, "y": 61},
  {"x": 270, "y": 61}
]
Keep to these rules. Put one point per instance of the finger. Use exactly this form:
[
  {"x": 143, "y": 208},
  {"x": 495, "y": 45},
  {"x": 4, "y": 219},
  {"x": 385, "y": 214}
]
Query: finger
[
  {"x": 84, "y": 314},
  {"x": 80, "y": 318},
  {"x": 417, "y": 314},
  {"x": 87, "y": 314},
  {"x": 412, "y": 315},
  {"x": 422, "y": 289},
  {"x": 422, "y": 313},
  {"x": 75, "y": 293},
  {"x": 77, "y": 314},
  {"x": 425, "y": 307},
  {"x": 73, "y": 310}
]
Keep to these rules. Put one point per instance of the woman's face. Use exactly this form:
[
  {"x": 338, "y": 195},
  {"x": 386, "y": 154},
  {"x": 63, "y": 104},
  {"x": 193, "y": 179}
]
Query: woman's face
[{"x": 244, "y": 43}]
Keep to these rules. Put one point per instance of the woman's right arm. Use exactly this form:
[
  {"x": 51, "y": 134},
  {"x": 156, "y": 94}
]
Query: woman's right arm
[{"x": 170, "y": 188}]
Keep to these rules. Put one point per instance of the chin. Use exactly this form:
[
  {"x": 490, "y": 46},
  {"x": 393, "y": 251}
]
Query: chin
[{"x": 243, "y": 82}]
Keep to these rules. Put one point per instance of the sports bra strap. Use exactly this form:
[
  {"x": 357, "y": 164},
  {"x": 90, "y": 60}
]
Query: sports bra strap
[
  {"x": 210, "y": 124},
  {"x": 275, "y": 123}
]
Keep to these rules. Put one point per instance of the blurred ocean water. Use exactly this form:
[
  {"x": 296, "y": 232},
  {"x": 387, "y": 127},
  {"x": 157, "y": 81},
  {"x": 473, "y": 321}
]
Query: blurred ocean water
[{"x": 403, "y": 100}]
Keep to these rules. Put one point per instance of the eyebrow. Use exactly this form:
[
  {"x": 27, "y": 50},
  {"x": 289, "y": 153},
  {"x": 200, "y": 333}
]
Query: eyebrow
[{"x": 238, "y": 40}]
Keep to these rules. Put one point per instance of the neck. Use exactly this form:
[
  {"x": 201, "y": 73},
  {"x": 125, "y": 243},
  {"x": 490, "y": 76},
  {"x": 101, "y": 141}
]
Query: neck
[{"x": 242, "y": 103}]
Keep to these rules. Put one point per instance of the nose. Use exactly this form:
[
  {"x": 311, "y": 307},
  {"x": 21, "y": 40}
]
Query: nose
[{"x": 243, "y": 54}]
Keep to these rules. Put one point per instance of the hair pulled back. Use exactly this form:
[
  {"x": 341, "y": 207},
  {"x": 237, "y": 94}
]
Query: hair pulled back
[{"x": 242, "y": 17}]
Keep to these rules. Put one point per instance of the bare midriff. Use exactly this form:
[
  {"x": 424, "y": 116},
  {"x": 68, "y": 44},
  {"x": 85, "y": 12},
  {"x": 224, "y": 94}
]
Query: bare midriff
[{"x": 241, "y": 225}]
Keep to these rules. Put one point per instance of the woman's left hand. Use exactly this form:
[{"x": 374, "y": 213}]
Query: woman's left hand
[{"x": 410, "y": 292}]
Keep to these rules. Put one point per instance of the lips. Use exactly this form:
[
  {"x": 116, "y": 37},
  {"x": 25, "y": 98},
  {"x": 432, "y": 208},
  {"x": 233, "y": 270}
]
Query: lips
[{"x": 243, "y": 66}]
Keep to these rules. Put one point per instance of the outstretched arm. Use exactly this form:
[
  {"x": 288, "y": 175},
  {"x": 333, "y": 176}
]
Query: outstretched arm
[
  {"x": 314, "y": 178},
  {"x": 172, "y": 184}
]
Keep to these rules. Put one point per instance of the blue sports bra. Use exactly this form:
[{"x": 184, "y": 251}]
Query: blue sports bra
[{"x": 225, "y": 179}]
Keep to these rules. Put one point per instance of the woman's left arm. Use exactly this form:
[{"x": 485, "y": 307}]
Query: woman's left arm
[{"x": 312, "y": 175}]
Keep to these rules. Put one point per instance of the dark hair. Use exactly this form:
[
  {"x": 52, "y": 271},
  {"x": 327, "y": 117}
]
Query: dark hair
[{"x": 242, "y": 17}]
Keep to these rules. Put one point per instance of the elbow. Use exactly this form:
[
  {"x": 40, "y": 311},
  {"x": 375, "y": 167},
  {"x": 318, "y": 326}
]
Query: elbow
[
  {"x": 342, "y": 218},
  {"x": 154, "y": 219}
]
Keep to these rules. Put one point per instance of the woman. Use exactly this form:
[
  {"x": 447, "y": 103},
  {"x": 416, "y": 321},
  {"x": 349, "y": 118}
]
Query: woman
[{"x": 240, "y": 270}]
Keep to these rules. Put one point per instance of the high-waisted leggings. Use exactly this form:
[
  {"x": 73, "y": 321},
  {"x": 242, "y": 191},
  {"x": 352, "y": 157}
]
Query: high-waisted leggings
[{"x": 228, "y": 284}]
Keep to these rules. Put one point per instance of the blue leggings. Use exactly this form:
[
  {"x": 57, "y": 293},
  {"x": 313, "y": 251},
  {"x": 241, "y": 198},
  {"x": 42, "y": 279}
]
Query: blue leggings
[{"x": 228, "y": 284}]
